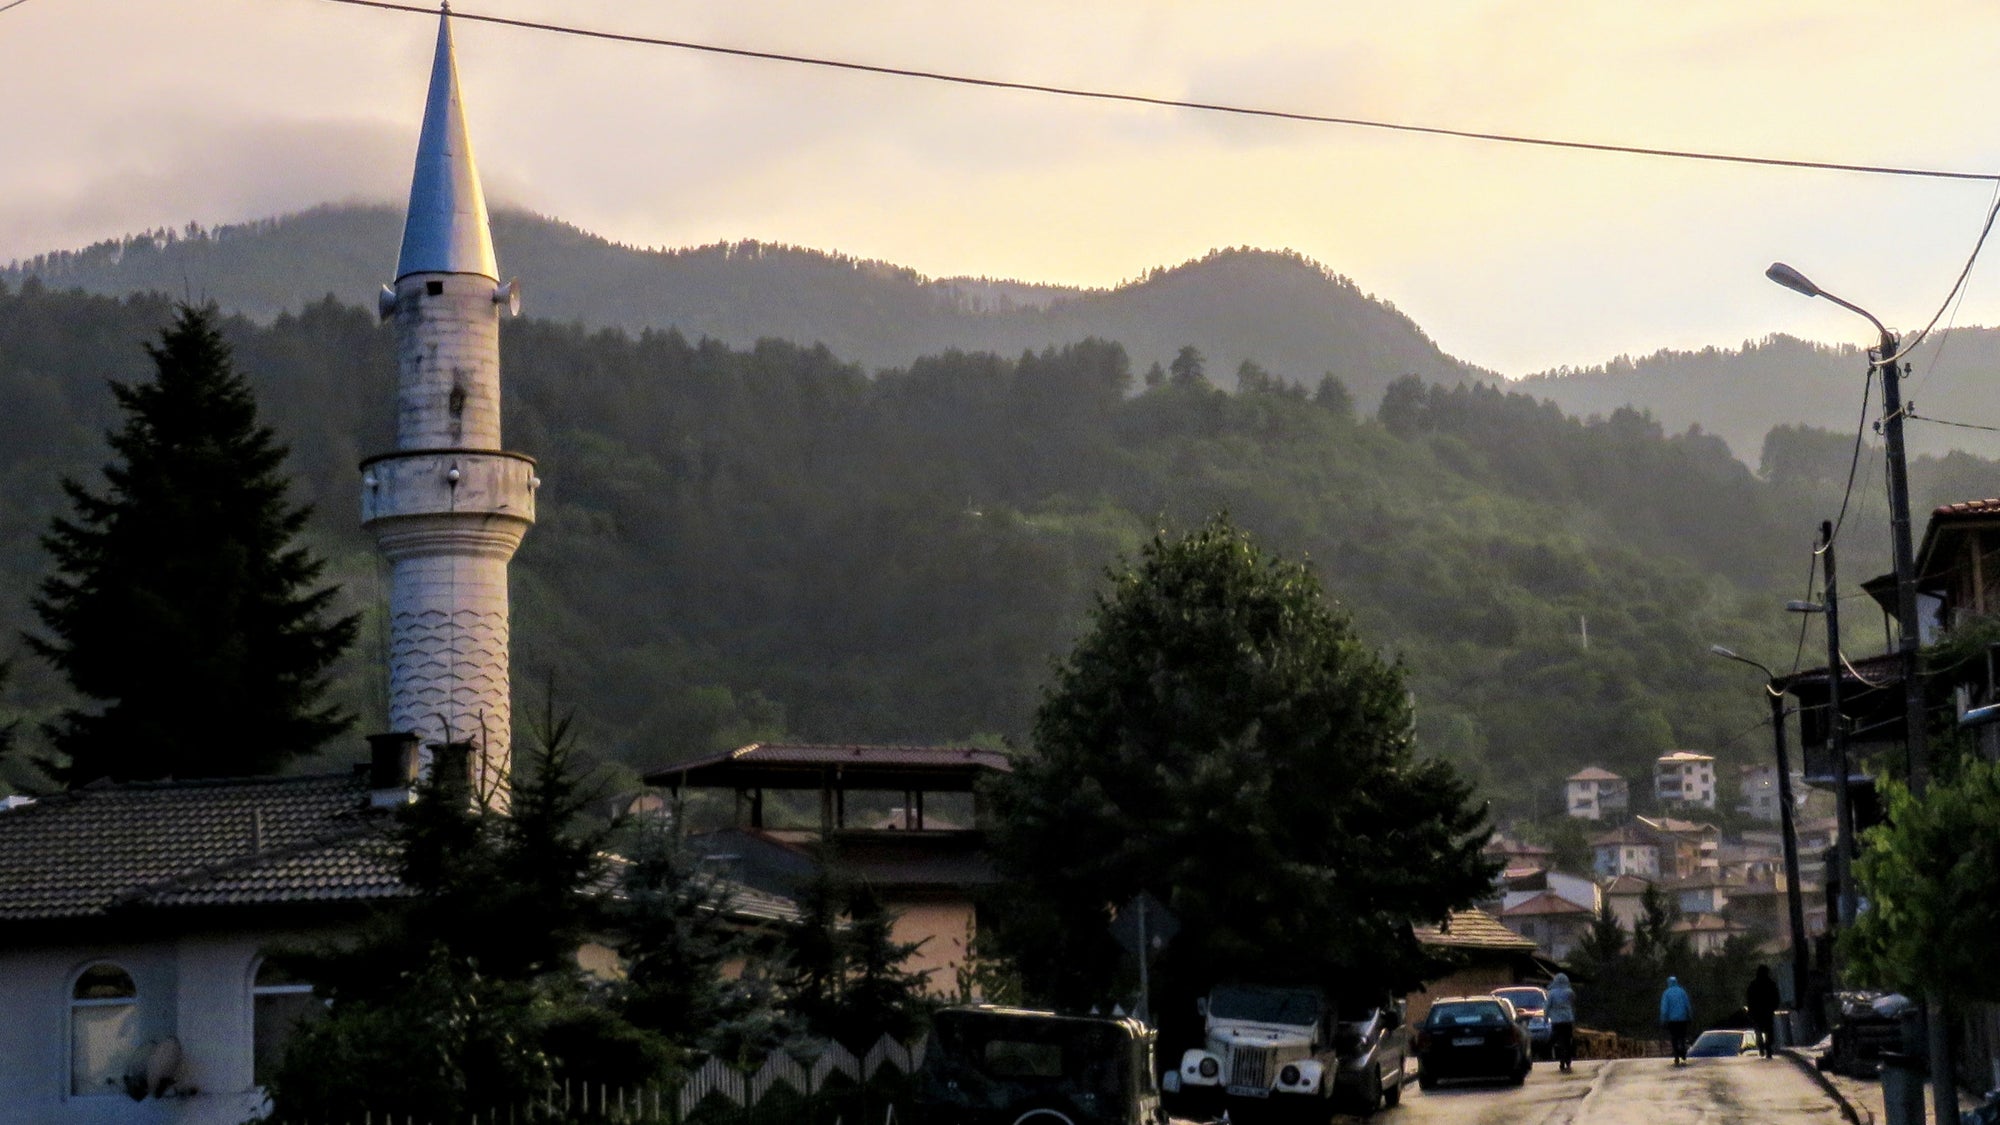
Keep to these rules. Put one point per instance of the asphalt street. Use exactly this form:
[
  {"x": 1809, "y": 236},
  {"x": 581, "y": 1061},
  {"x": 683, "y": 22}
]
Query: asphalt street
[{"x": 1740, "y": 1091}]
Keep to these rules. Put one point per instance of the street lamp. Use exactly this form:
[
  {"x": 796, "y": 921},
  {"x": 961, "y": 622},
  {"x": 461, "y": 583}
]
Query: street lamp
[
  {"x": 1916, "y": 764},
  {"x": 1787, "y": 833}
]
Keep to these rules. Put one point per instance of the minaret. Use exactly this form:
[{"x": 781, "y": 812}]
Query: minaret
[{"x": 449, "y": 507}]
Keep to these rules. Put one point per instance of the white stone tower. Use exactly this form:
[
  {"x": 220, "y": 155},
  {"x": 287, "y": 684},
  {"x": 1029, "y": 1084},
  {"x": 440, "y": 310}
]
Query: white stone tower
[{"x": 449, "y": 506}]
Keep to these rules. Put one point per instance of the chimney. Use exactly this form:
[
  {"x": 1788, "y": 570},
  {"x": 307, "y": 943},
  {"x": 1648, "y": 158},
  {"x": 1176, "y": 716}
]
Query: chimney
[
  {"x": 451, "y": 768},
  {"x": 393, "y": 764}
]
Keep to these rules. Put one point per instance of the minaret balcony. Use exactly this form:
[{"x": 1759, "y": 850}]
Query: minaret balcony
[{"x": 479, "y": 483}]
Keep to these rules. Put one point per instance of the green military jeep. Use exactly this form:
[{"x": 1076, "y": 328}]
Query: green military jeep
[{"x": 1008, "y": 1066}]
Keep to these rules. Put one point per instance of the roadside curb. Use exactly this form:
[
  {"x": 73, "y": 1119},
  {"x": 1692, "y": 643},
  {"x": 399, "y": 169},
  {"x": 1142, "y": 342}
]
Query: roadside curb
[{"x": 1856, "y": 1115}]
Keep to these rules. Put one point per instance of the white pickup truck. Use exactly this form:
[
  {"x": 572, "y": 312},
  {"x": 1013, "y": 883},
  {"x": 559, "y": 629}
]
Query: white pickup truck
[{"x": 1280, "y": 1049}]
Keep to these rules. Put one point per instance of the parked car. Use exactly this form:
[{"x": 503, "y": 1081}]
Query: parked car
[
  {"x": 1287, "y": 1052},
  {"x": 1723, "y": 1043},
  {"x": 1533, "y": 1004},
  {"x": 1373, "y": 1050},
  {"x": 1010, "y": 1066},
  {"x": 1473, "y": 1037},
  {"x": 1870, "y": 1023}
]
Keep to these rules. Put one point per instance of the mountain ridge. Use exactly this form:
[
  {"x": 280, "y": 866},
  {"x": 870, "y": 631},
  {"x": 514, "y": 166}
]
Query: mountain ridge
[{"x": 1278, "y": 310}]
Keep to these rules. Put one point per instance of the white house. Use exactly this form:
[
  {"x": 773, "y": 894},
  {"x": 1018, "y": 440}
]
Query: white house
[
  {"x": 1685, "y": 778},
  {"x": 1578, "y": 889},
  {"x": 1626, "y": 851},
  {"x": 1627, "y": 896},
  {"x": 1687, "y": 848},
  {"x": 135, "y": 922},
  {"x": 1594, "y": 794}
]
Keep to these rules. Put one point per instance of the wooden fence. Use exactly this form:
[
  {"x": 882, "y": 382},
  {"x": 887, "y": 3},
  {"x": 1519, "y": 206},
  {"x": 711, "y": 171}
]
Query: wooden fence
[{"x": 824, "y": 1084}]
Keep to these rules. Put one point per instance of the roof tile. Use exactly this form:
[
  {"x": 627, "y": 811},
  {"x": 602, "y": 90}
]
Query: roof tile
[{"x": 81, "y": 853}]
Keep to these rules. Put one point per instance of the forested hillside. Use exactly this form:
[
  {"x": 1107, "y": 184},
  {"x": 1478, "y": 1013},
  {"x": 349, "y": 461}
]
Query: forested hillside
[
  {"x": 741, "y": 543},
  {"x": 1288, "y": 315},
  {"x": 1739, "y": 394}
]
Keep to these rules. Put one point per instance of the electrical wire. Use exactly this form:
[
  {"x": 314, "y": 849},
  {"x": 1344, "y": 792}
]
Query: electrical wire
[
  {"x": 1856, "y": 673},
  {"x": 8, "y": 7},
  {"x": 1915, "y": 417},
  {"x": 1991, "y": 213},
  {"x": 1853, "y": 463},
  {"x": 1799, "y": 652},
  {"x": 1179, "y": 103},
  {"x": 1937, "y": 353}
]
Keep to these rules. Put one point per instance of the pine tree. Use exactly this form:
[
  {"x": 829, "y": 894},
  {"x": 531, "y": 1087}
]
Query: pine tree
[
  {"x": 845, "y": 975},
  {"x": 678, "y": 946},
  {"x": 180, "y": 603}
]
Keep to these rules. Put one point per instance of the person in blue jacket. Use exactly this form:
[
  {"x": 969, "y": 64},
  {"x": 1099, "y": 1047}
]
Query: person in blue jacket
[
  {"x": 1562, "y": 1020},
  {"x": 1676, "y": 1013}
]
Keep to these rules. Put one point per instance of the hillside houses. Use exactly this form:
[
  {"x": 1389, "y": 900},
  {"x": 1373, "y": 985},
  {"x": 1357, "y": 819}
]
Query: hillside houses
[
  {"x": 1685, "y": 778},
  {"x": 1720, "y": 887},
  {"x": 1595, "y": 794}
]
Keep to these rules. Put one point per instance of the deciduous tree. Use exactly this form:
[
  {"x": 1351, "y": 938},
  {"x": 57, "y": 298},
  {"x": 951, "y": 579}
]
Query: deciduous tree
[{"x": 1221, "y": 737}]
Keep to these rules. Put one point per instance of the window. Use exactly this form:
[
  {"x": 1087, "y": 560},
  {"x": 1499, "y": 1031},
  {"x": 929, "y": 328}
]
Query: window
[
  {"x": 279, "y": 1003},
  {"x": 103, "y": 1029}
]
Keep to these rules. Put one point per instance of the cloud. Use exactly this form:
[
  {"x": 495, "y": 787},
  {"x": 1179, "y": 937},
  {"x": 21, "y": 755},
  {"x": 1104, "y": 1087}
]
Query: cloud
[{"x": 149, "y": 175}]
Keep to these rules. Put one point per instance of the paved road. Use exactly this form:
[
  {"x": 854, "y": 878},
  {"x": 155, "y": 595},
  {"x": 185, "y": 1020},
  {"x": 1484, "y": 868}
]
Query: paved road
[{"x": 1745, "y": 1091}]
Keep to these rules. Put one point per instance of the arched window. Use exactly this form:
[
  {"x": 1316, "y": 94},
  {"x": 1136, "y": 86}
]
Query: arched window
[
  {"x": 103, "y": 1029},
  {"x": 279, "y": 1002}
]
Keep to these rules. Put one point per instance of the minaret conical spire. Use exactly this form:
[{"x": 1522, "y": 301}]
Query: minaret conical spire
[
  {"x": 449, "y": 504},
  {"x": 446, "y": 229}
]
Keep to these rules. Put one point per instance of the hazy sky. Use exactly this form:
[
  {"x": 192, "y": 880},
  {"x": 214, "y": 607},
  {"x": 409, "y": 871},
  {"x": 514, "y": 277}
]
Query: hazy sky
[{"x": 129, "y": 114}]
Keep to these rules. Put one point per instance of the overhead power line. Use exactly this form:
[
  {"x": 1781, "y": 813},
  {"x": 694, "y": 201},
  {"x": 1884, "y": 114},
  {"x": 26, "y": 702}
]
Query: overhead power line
[
  {"x": 1915, "y": 417},
  {"x": 1992, "y": 213},
  {"x": 11, "y": 5},
  {"x": 1180, "y": 103}
]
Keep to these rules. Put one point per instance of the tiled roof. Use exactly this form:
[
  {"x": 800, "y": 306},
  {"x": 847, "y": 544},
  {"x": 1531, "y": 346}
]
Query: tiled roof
[
  {"x": 1673, "y": 825},
  {"x": 1624, "y": 834},
  {"x": 841, "y": 754},
  {"x": 1986, "y": 507},
  {"x": 768, "y": 762},
  {"x": 1627, "y": 885},
  {"x": 1546, "y": 903},
  {"x": 1707, "y": 923},
  {"x": 1474, "y": 929},
  {"x": 1593, "y": 773},
  {"x": 237, "y": 841},
  {"x": 356, "y": 867}
]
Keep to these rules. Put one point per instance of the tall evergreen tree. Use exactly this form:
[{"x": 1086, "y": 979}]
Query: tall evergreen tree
[{"x": 180, "y": 603}]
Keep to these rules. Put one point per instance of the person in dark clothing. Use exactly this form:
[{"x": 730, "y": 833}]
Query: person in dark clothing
[
  {"x": 1676, "y": 1013},
  {"x": 1761, "y": 998}
]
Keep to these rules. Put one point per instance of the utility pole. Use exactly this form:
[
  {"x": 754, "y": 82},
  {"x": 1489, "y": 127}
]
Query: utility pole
[
  {"x": 1789, "y": 835},
  {"x": 1836, "y": 730},
  {"x": 1916, "y": 763}
]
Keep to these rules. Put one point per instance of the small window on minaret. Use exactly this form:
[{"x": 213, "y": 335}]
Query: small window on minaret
[{"x": 434, "y": 288}]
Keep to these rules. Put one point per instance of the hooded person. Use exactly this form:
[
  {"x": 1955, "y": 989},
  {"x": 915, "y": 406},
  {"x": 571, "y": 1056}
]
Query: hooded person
[
  {"x": 1562, "y": 1020},
  {"x": 1761, "y": 999},
  {"x": 1676, "y": 1013}
]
